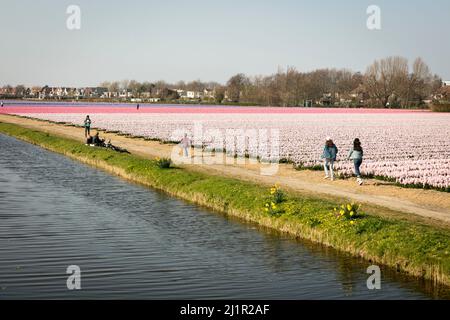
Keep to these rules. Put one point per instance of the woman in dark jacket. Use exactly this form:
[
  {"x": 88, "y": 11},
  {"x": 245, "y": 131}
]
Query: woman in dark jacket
[{"x": 356, "y": 154}]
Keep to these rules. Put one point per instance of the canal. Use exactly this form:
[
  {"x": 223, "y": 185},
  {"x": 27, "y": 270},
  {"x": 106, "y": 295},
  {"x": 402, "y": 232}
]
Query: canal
[{"x": 135, "y": 243}]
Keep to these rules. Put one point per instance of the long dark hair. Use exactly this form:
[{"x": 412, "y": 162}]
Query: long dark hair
[
  {"x": 330, "y": 143},
  {"x": 357, "y": 145}
]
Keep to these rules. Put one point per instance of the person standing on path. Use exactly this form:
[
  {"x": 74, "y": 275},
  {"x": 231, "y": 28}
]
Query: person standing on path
[
  {"x": 87, "y": 126},
  {"x": 329, "y": 155},
  {"x": 356, "y": 154},
  {"x": 185, "y": 144},
  {"x": 137, "y": 107},
  {"x": 1, "y": 104}
]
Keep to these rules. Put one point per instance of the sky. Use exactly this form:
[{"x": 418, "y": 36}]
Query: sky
[{"x": 211, "y": 40}]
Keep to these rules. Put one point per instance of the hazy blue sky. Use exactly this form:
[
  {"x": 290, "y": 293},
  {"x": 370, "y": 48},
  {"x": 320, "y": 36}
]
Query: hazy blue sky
[{"x": 211, "y": 40}]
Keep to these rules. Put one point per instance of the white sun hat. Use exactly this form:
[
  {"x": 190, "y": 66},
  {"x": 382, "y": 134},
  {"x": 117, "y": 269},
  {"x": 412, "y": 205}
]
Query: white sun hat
[{"x": 328, "y": 139}]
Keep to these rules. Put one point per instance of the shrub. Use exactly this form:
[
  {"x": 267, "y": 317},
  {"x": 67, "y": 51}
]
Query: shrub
[
  {"x": 441, "y": 107},
  {"x": 163, "y": 163}
]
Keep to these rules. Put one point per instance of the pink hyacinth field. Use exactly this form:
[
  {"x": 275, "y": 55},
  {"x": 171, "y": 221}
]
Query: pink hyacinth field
[{"x": 409, "y": 147}]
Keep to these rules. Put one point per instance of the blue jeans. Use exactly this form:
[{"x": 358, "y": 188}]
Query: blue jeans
[
  {"x": 357, "y": 163},
  {"x": 329, "y": 163}
]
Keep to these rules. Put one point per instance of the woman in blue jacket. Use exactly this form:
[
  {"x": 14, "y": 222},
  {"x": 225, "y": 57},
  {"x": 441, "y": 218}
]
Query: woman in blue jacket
[
  {"x": 356, "y": 154},
  {"x": 329, "y": 155}
]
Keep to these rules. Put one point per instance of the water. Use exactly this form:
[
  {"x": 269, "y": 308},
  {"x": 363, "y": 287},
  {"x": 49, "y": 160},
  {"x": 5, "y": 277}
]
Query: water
[{"x": 132, "y": 242}]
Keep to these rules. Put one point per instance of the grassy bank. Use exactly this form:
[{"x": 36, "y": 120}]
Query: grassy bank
[{"x": 417, "y": 249}]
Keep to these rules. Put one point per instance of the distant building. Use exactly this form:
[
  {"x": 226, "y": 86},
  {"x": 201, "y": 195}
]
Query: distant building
[
  {"x": 446, "y": 83},
  {"x": 126, "y": 93},
  {"x": 182, "y": 93},
  {"x": 193, "y": 94},
  {"x": 209, "y": 93}
]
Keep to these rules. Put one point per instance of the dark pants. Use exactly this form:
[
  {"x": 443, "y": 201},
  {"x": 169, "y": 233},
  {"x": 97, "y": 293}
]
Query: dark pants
[
  {"x": 87, "y": 131},
  {"x": 357, "y": 163}
]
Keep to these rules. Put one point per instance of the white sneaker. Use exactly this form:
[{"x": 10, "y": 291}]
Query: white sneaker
[
  {"x": 326, "y": 177},
  {"x": 360, "y": 181}
]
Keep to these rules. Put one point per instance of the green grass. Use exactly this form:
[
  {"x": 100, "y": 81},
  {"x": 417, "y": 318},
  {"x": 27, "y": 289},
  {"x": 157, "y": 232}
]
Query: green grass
[{"x": 420, "y": 250}]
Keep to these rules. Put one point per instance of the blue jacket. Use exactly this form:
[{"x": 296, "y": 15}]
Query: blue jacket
[
  {"x": 355, "y": 155},
  {"x": 330, "y": 152}
]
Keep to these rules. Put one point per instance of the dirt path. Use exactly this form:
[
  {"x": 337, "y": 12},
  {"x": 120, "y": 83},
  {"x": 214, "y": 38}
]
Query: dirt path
[{"x": 427, "y": 204}]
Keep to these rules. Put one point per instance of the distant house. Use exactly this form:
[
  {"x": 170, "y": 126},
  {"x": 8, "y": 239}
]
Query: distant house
[
  {"x": 209, "y": 93},
  {"x": 443, "y": 93},
  {"x": 182, "y": 93},
  {"x": 193, "y": 95},
  {"x": 446, "y": 83},
  {"x": 98, "y": 92},
  {"x": 110, "y": 94},
  {"x": 45, "y": 92},
  {"x": 125, "y": 93}
]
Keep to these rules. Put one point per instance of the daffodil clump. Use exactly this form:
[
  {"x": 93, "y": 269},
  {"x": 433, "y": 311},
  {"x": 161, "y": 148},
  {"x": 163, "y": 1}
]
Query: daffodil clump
[
  {"x": 349, "y": 212},
  {"x": 277, "y": 194},
  {"x": 273, "y": 204}
]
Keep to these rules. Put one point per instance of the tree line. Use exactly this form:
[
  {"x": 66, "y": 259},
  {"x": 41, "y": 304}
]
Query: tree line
[{"x": 389, "y": 82}]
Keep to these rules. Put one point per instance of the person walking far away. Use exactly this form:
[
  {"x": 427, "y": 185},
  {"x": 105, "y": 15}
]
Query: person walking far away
[
  {"x": 185, "y": 144},
  {"x": 356, "y": 154},
  {"x": 87, "y": 126},
  {"x": 137, "y": 107},
  {"x": 329, "y": 155},
  {"x": 1, "y": 104}
]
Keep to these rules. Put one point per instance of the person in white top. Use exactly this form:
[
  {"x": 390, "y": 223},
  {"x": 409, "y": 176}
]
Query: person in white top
[{"x": 185, "y": 144}]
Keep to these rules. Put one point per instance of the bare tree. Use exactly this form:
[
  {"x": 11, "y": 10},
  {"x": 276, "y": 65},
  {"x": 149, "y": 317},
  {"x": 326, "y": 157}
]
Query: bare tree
[
  {"x": 20, "y": 90},
  {"x": 384, "y": 79},
  {"x": 236, "y": 85},
  {"x": 420, "y": 84}
]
